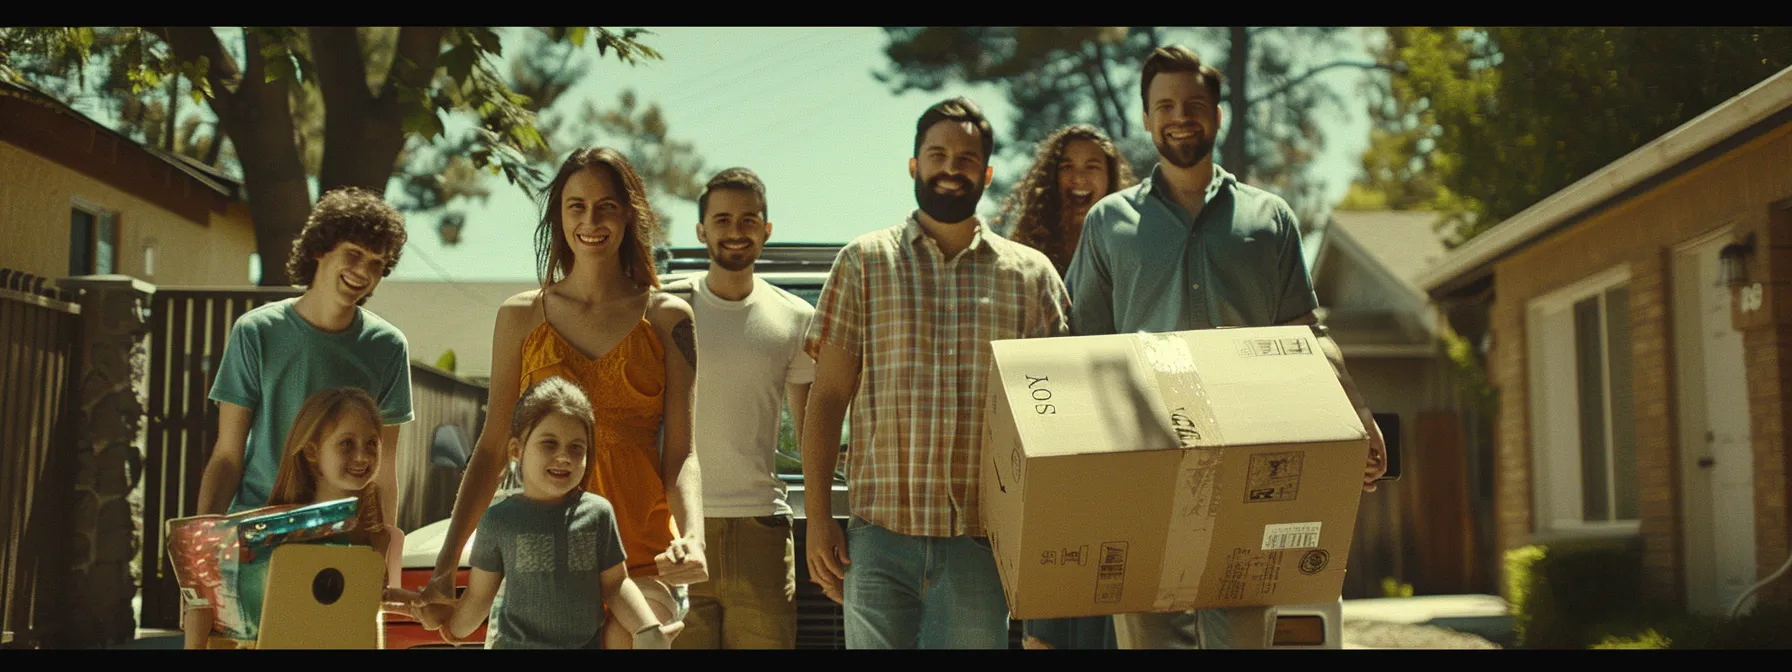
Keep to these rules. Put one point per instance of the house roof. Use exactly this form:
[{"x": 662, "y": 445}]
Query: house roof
[
  {"x": 1765, "y": 105},
  {"x": 207, "y": 176},
  {"x": 1402, "y": 243},
  {"x": 1386, "y": 249}
]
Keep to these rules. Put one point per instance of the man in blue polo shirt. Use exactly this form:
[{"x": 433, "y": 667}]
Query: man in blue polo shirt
[{"x": 1191, "y": 247}]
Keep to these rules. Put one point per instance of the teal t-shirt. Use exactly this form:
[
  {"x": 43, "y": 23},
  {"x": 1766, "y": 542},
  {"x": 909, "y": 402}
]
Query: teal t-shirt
[{"x": 274, "y": 360}]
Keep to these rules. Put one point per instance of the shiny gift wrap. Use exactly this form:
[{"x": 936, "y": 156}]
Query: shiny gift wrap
[{"x": 220, "y": 562}]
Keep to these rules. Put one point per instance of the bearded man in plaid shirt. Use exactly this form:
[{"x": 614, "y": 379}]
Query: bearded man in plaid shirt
[{"x": 901, "y": 334}]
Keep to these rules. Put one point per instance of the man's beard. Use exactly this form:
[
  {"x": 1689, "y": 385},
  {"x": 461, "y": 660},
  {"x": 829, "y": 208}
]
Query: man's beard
[
  {"x": 947, "y": 208},
  {"x": 733, "y": 260},
  {"x": 1187, "y": 156}
]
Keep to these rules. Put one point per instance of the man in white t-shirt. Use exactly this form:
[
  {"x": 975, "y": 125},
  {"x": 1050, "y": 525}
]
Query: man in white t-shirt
[{"x": 751, "y": 360}]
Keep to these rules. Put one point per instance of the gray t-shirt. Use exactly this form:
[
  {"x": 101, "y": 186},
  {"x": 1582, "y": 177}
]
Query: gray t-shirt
[{"x": 552, "y": 556}]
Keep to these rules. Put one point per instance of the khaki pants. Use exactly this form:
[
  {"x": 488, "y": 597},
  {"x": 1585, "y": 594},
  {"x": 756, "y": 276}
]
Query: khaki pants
[
  {"x": 1237, "y": 628},
  {"x": 749, "y": 601}
]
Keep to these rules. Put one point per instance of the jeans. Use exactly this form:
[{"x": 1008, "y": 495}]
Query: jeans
[
  {"x": 1086, "y": 633},
  {"x": 905, "y": 592}
]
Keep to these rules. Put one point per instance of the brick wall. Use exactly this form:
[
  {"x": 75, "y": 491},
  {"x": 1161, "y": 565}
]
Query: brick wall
[
  {"x": 1739, "y": 189},
  {"x": 1767, "y": 340}
]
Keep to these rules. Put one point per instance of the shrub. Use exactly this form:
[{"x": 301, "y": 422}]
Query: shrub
[
  {"x": 1768, "y": 627},
  {"x": 1572, "y": 594},
  {"x": 1650, "y": 639}
]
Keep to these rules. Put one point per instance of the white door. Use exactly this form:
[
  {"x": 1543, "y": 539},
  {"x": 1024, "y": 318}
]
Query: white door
[{"x": 1717, "y": 458}]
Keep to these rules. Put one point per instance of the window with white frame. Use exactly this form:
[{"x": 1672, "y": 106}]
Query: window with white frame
[
  {"x": 92, "y": 239},
  {"x": 1583, "y": 427}
]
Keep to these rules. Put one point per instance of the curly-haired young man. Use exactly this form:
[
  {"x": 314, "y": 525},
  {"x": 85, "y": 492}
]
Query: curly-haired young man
[{"x": 282, "y": 352}]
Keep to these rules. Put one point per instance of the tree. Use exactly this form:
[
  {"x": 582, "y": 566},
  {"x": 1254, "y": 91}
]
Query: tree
[
  {"x": 544, "y": 70},
  {"x": 670, "y": 168},
  {"x": 1058, "y": 76},
  {"x": 383, "y": 87},
  {"x": 154, "y": 117},
  {"x": 1516, "y": 114},
  {"x": 1403, "y": 167}
]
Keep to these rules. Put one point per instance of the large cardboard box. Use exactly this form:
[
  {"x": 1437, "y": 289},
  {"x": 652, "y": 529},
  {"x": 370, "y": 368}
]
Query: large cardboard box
[{"x": 1165, "y": 472}]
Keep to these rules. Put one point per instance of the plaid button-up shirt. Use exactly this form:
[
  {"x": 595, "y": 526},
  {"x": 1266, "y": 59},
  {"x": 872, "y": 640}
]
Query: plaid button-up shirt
[{"x": 921, "y": 325}]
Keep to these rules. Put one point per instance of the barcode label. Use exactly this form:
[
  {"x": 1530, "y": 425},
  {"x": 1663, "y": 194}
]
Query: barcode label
[
  {"x": 1110, "y": 573},
  {"x": 1290, "y": 535}
]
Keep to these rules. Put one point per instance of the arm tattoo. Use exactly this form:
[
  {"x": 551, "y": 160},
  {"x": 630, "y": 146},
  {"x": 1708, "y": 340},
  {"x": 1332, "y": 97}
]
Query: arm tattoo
[{"x": 685, "y": 337}]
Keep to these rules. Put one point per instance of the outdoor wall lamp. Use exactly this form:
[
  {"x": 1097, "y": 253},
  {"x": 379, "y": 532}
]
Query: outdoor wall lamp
[{"x": 1731, "y": 271}]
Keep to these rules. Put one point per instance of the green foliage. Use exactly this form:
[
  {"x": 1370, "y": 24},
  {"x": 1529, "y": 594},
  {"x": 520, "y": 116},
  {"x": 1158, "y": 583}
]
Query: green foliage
[
  {"x": 1588, "y": 594},
  {"x": 1764, "y": 628},
  {"x": 1392, "y": 587},
  {"x": 1488, "y": 121},
  {"x": 446, "y": 361},
  {"x": 542, "y": 70},
  {"x": 1565, "y": 595},
  {"x": 1649, "y": 639},
  {"x": 144, "y": 70},
  {"x": 1469, "y": 372}
]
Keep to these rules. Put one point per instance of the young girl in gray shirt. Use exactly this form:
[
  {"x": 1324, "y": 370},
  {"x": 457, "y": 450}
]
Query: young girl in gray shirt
[{"x": 555, "y": 548}]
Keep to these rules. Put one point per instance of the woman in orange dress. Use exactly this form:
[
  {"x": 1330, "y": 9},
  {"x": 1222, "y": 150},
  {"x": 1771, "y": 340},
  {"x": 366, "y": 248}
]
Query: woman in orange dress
[{"x": 601, "y": 321}]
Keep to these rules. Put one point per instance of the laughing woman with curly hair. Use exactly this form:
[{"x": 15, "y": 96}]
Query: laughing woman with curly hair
[{"x": 1076, "y": 166}]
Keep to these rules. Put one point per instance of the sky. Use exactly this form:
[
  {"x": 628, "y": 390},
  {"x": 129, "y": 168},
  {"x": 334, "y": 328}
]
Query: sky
[
  {"x": 796, "y": 105},
  {"x": 800, "y": 107}
]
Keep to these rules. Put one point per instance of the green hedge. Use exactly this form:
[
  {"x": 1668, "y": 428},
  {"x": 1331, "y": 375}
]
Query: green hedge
[
  {"x": 1767, "y": 627},
  {"x": 1589, "y": 594},
  {"x": 1573, "y": 594}
]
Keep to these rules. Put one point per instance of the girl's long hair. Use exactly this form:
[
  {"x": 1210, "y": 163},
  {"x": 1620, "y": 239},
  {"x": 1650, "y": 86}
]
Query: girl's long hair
[
  {"x": 296, "y": 481},
  {"x": 1033, "y": 208},
  {"x": 553, "y": 256}
]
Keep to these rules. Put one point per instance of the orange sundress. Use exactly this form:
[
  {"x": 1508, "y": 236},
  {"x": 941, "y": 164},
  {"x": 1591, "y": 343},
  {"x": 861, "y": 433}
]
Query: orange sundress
[{"x": 626, "y": 386}]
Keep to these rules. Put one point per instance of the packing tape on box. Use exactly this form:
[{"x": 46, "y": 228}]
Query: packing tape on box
[{"x": 1193, "y": 507}]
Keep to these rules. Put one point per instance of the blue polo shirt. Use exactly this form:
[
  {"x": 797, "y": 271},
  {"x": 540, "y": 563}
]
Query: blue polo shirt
[{"x": 1143, "y": 264}]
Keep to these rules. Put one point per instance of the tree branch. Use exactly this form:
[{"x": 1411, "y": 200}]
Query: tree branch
[
  {"x": 421, "y": 46},
  {"x": 189, "y": 43},
  {"x": 216, "y": 148},
  {"x": 1101, "y": 108},
  {"x": 1112, "y": 95},
  {"x": 1297, "y": 81},
  {"x": 255, "y": 65},
  {"x": 341, "y": 72}
]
